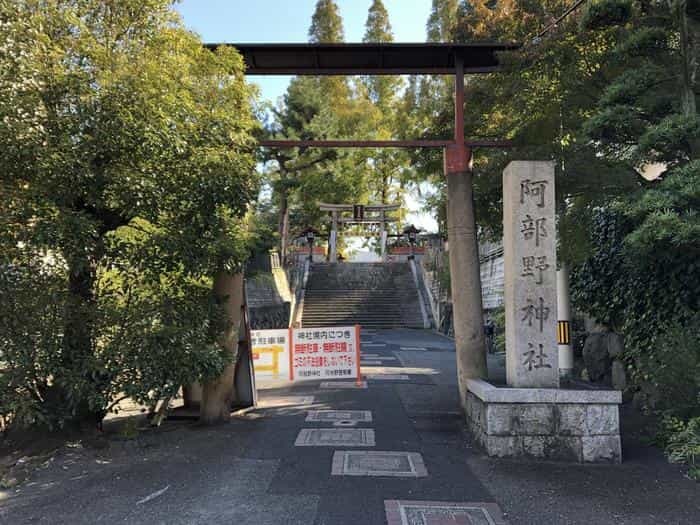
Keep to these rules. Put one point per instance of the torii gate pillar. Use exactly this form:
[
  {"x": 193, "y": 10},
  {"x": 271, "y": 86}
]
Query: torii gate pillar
[
  {"x": 463, "y": 251},
  {"x": 382, "y": 239},
  {"x": 333, "y": 240}
]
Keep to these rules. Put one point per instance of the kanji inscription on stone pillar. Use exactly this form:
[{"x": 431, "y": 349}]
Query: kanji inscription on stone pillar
[{"x": 530, "y": 296}]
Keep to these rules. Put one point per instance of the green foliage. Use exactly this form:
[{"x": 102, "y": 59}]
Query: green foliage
[
  {"x": 498, "y": 317},
  {"x": 378, "y": 27},
  {"x": 539, "y": 101},
  {"x": 632, "y": 86},
  {"x": 684, "y": 444},
  {"x": 128, "y": 168},
  {"x": 129, "y": 429},
  {"x": 668, "y": 224},
  {"x": 441, "y": 21},
  {"x": 641, "y": 269},
  {"x": 646, "y": 41},
  {"x": 615, "y": 127},
  {"x": 605, "y": 13},
  {"x": 444, "y": 276},
  {"x": 642, "y": 279},
  {"x": 326, "y": 23},
  {"x": 31, "y": 312},
  {"x": 333, "y": 108},
  {"x": 595, "y": 284},
  {"x": 671, "y": 140},
  {"x": 668, "y": 369}
]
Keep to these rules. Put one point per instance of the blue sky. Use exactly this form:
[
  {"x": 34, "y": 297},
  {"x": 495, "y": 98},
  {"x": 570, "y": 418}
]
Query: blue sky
[{"x": 251, "y": 21}]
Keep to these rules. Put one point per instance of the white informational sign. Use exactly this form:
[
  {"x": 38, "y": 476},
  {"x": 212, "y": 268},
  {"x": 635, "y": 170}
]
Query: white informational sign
[
  {"x": 271, "y": 353},
  {"x": 325, "y": 353}
]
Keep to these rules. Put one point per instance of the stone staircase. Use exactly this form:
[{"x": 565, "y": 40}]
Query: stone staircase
[{"x": 374, "y": 295}]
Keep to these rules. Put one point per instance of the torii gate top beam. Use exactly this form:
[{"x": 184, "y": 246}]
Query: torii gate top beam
[{"x": 427, "y": 58}]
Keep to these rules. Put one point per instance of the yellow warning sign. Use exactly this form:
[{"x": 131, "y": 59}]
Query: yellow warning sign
[
  {"x": 271, "y": 353},
  {"x": 563, "y": 332}
]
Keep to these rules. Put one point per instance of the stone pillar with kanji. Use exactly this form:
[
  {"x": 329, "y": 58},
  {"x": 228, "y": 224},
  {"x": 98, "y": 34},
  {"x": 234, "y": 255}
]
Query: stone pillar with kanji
[{"x": 529, "y": 249}]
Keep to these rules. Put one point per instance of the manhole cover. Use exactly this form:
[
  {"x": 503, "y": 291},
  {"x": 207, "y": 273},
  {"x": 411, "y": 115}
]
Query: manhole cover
[
  {"x": 339, "y": 415},
  {"x": 442, "y": 513},
  {"x": 335, "y": 437},
  {"x": 375, "y": 463}
]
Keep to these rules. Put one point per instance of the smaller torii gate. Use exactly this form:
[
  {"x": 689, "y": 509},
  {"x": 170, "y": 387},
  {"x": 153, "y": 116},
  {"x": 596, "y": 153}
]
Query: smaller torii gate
[{"x": 371, "y": 214}]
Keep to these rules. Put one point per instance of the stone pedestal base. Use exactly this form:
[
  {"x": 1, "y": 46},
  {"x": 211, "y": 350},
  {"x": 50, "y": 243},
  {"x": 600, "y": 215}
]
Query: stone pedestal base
[{"x": 561, "y": 425}]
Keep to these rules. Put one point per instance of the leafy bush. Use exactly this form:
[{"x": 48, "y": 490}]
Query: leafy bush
[
  {"x": 151, "y": 336},
  {"x": 498, "y": 317},
  {"x": 642, "y": 280},
  {"x": 641, "y": 274},
  {"x": 127, "y": 171},
  {"x": 684, "y": 444},
  {"x": 668, "y": 372},
  {"x": 606, "y": 13},
  {"x": 31, "y": 316},
  {"x": 670, "y": 140}
]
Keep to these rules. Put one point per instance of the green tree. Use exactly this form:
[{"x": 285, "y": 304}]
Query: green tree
[
  {"x": 387, "y": 168},
  {"x": 317, "y": 108},
  {"x": 647, "y": 112},
  {"x": 301, "y": 106},
  {"x": 326, "y": 23},
  {"x": 640, "y": 277},
  {"x": 442, "y": 20},
  {"x": 378, "y": 29},
  {"x": 327, "y": 28},
  {"x": 538, "y": 100},
  {"x": 427, "y": 112},
  {"x": 128, "y": 167}
]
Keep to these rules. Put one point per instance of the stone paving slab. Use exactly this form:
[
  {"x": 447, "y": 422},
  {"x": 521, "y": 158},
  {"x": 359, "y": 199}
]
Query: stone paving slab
[
  {"x": 343, "y": 384},
  {"x": 335, "y": 437},
  {"x": 400, "y": 512},
  {"x": 331, "y": 416},
  {"x": 378, "y": 463}
]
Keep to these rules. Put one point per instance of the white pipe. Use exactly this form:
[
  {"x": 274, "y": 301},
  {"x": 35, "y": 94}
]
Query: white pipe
[{"x": 566, "y": 351}]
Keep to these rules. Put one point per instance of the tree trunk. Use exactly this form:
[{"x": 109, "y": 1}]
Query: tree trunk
[
  {"x": 384, "y": 190},
  {"x": 692, "y": 17},
  {"x": 66, "y": 397},
  {"x": 218, "y": 394},
  {"x": 689, "y": 48},
  {"x": 284, "y": 224}
]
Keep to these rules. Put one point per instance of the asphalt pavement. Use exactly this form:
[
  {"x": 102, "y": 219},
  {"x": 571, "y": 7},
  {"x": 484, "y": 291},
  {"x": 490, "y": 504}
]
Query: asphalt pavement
[{"x": 250, "y": 471}]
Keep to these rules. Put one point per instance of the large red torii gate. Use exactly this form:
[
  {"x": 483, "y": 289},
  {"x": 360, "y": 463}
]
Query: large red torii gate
[{"x": 410, "y": 59}]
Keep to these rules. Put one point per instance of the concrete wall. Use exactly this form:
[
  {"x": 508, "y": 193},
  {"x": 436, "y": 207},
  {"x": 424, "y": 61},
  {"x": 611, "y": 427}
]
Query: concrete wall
[
  {"x": 560, "y": 425},
  {"x": 270, "y": 300},
  {"x": 491, "y": 269}
]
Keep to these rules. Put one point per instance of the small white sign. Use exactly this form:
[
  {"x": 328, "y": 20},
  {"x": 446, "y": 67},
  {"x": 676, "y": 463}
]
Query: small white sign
[
  {"x": 325, "y": 353},
  {"x": 271, "y": 353}
]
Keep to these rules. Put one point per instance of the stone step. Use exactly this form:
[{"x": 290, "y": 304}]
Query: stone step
[
  {"x": 381, "y": 295},
  {"x": 358, "y": 313}
]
